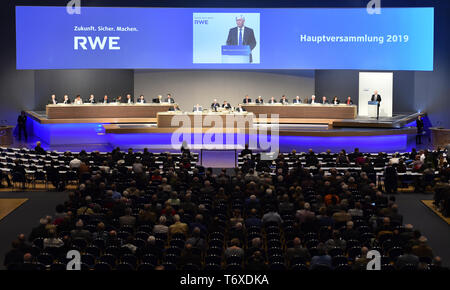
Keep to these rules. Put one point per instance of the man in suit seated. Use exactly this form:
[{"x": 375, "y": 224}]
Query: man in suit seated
[
  {"x": 141, "y": 99},
  {"x": 91, "y": 99},
  {"x": 105, "y": 100},
  {"x": 129, "y": 99},
  {"x": 215, "y": 105},
  {"x": 259, "y": 100},
  {"x": 313, "y": 100},
  {"x": 66, "y": 100},
  {"x": 197, "y": 108},
  {"x": 169, "y": 99},
  {"x": 272, "y": 100},
  {"x": 157, "y": 100},
  {"x": 297, "y": 100},
  {"x": 118, "y": 99},
  {"x": 242, "y": 35},
  {"x": 284, "y": 100},
  {"x": 53, "y": 100},
  {"x": 78, "y": 100},
  {"x": 226, "y": 106},
  {"x": 349, "y": 101},
  {"x": 175, "y": 108},
  {"x": 324, "y": 100},
  {"x": 240, "y": 109},
  {"x": 336, "y": 101},
  {"x": 247, "y": 100}
]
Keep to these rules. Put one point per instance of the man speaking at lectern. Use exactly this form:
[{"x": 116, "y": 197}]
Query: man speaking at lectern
[
  {"x": 241, "y": 35},
  {"x": 376, "y": 97}
]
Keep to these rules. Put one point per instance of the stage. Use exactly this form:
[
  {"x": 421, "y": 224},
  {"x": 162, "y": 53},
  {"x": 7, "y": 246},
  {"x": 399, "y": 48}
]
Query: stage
[{"x": 369, "y": 134}]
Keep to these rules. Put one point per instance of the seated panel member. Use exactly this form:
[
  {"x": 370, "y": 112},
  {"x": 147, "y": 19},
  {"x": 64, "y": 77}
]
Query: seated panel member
[
  {"x": 169, "y": 99},
  {"x": 157, "y": 100},
  {"x": 259, "y": 100},
  {"x": 247, "y": 100},
  {"x": 215, "y": 105},
  {"x": 53, "y": 100},
  {"x": 118, "y": 100},
  {"x": 129, "y": 99},
  {"x": 284, "y": 100},
  {"x": 141, "y": 99},
  {"x": 91, "y": 99},
  {"x": 336, "y": 101},
  {"x": 324, "y": 100},
  {"x": 225, "y": 105},
  {"x": 175, "y": 108},
  {"x": 240, "y": 109},
  {"x": 105, "y": 100},
  {"x": 66, "y": 100},
  {"x": 349, "y": 101},
  {"x": 78, "y": 100},
  {"x": 197, "y": 108},
  {"x": 313, "y": 100},
  {"x": 297, "y": 100},
  {"x": 272, "y": 100}
]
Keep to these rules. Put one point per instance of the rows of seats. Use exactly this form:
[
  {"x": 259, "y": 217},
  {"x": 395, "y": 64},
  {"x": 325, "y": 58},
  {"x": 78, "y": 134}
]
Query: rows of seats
[{"x": 184, "y": 218}]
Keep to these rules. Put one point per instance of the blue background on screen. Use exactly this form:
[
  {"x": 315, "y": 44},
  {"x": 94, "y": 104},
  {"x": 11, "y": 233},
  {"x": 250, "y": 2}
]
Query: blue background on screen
[{"x": 45, "y": 38}]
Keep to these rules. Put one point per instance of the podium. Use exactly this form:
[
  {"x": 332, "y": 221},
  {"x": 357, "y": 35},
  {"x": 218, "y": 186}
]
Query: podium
[
  {"x": 236, "y": 53},
  {"x": 372, "y": 109}
]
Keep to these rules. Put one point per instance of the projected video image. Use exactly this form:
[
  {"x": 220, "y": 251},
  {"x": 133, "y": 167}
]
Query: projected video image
[{"x": 226, "y": 38}]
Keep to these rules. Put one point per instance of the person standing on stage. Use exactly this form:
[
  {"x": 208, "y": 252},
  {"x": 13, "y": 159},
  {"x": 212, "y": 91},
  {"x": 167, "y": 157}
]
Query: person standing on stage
[
  {"x": 376, "y": 98},
  {"x": 22, "y": 124},
  {"x": 419, "y": 124}
]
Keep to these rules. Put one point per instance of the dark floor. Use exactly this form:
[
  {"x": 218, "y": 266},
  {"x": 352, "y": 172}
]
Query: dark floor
[
  {"x": 25, "y": 217},
  {"x": 422, "y": 218}
]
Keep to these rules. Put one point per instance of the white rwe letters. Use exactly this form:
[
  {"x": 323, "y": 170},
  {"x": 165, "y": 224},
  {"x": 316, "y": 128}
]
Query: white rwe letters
[{"x": 82, "y": 41}]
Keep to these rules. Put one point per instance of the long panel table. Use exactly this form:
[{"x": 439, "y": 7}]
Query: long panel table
[
  {"x": 316, "y": 111},
  {"x": 207, "y": 119},
  {"x": 71, "y": 111}
]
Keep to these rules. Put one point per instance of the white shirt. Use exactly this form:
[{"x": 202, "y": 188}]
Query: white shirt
[
  {"x": 243, "y": 30},
  {"x": 54, "y": 102},
  {"x": 313, "y": 101},
  {"x": 78, "y": 102},
  {"x": 129, "y": 101}
]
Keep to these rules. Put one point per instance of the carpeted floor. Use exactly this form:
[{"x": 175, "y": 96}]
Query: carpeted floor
[
  {"x": 430, "y": 205},
  {"x": 26, "y": 216},
  {"x": 432, "y": 226},
  {"x": 8, "y": 205}
]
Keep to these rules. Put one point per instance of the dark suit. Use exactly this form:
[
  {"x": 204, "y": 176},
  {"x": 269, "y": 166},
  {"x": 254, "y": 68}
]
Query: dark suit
[
  {"x": 67, "y": 101},
  {"x": 258, "y": 101},
  {"x": 91, "y": 101},
  {"x": 315, "y": 102},
  {"x": 130, "y": 100},
  {"x": 214, "y": 106},
  {"x": 141, "y": 101},
  {"x": 240, "y": 109},
  {"x": 324, "y": 102},
  {"x": 246, "y": 101},
  {"x": 337, "y": 102},
  {"x": 285, "y": 101},
  {"x": 197, "y": 109},
  {"x": 376, "y": 98},
  {"x": 51, "y": 102},
  {"x": 105, "y": 101},
  {"x": 167, "y": 100},
  {"x": 248, "y": 39},
  {"x": 227, "y": 106},
  {"x": 295, "y": 101},
  {"x": 272, "y": 101},
  {"x": 349, "y": 102}
]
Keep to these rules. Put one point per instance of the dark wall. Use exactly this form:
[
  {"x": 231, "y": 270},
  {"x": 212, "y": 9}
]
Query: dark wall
[{"x": 81, "y": 82}]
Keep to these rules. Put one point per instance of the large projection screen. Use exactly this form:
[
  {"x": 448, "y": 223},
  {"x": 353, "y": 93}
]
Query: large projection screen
[{"x": 224, "y": 38}]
